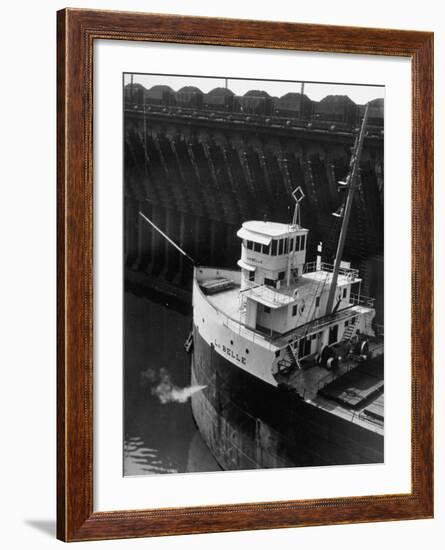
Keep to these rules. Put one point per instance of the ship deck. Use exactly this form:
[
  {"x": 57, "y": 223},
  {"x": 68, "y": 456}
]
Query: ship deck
[
  {"x": 308, "y": 285},
  {"x": 354, "y": 391},
  {"x": 227, "y": 301}
]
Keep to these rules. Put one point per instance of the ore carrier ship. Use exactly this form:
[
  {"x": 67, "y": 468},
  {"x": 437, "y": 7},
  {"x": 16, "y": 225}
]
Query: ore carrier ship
[
  {"x": 292, "y": 368},
  {"x": 285, "y": 351}
]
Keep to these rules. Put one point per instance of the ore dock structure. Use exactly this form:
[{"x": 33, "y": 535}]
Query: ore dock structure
[{"x": 287, "y": 347}]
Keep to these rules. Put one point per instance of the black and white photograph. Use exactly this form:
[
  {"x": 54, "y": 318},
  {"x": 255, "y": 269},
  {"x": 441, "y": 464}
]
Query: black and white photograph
[
  {"x": 253, "y": 274},
  {"x": 223, "y": 275}
]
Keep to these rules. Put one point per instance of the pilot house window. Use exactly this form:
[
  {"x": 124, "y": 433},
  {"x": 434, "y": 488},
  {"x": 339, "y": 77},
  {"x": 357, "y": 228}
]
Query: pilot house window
[
  {"x": 257, "y": 247},
  {"x": 274, "y": 248},
  {"x": 249, "y": 245}
]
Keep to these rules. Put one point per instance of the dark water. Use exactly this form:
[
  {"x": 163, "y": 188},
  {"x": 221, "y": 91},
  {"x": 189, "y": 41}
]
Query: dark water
[{"x": 159, "y": 437}]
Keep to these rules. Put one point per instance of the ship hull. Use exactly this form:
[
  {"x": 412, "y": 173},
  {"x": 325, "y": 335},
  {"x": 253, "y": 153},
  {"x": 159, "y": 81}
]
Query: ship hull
[{"x": 248, "y": 423}]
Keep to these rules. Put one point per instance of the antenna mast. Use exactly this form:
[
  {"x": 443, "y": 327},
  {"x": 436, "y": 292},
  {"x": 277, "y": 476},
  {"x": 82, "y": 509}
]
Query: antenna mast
[
  {"x": 298, "y": 195},
  {"x": 351, "y": 185}
]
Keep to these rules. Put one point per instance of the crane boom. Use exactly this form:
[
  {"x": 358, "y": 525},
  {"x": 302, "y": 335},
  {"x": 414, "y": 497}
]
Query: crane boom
[{"x": 351, "y": 186}]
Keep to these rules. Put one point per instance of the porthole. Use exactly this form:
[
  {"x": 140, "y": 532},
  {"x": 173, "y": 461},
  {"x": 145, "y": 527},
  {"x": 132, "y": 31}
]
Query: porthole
[
  {"x": 231, "y": 342},
  {"x": 247, "y": 351}
]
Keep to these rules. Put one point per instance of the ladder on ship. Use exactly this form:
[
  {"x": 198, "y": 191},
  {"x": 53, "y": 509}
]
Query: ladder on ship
[
  {"x": 290, "y": 360},
  {"x": 290, "y": 352},
  {"x": 350, "y": 331}
]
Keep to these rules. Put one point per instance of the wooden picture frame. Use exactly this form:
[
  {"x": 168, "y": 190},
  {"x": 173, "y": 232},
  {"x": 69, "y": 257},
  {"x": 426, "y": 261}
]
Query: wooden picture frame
[{"x": 77, "y": 31}]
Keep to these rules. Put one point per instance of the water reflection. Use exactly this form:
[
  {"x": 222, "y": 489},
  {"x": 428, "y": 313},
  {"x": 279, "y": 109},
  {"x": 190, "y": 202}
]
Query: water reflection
[{"x": 139, "y": 460}]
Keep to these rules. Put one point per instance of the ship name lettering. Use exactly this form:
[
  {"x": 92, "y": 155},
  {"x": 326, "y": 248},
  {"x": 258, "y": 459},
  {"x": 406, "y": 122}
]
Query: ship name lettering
[{"x": 234, "y": 355}]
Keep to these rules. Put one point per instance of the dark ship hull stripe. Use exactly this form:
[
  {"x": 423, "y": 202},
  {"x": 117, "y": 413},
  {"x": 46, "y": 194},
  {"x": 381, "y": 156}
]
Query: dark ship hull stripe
[{"x": 248, "y": 423}]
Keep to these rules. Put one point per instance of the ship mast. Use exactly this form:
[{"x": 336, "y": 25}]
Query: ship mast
[
  {"x": 351, "y": 185},
  {"x": 298, "y": 196}
]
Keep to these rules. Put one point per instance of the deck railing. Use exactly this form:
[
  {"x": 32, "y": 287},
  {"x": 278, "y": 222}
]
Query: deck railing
[
  {"x": 360, "y": 300},
  {"x": 266, "y": 292},
  {"x": 315, "y": 326},
  {"x": 270, "y": 339},
  {"x": 237, "y": 325},
  {"x": 311, "y": 267}
]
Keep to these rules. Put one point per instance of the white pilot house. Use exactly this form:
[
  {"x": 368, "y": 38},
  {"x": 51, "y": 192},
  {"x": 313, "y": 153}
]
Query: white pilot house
[{"x": 279, "y": 291}]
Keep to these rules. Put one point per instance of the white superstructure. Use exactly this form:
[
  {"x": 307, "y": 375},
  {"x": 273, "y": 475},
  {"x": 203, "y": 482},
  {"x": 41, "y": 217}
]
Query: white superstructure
[{"x": 271, "y": 315}]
